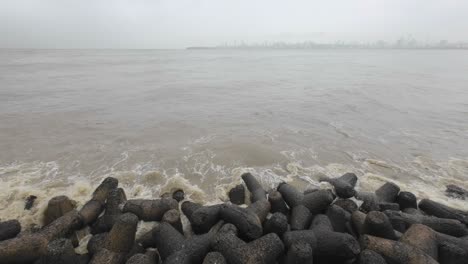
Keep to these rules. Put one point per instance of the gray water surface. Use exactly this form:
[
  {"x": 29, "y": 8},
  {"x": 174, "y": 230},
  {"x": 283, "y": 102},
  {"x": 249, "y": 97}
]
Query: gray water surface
[{"x": 205, "y": 116}]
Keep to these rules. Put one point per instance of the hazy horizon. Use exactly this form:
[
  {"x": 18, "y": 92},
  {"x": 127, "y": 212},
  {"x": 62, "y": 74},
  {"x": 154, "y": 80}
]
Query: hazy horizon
[{"x": 165, "y": 24}]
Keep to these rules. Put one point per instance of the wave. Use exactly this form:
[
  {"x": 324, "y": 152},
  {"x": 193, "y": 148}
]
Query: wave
[{"x": 203, "y": 180}]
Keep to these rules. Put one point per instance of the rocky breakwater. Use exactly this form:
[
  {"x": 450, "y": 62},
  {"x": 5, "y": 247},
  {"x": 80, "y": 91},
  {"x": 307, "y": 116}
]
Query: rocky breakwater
[{"x": 281, "y": 225}]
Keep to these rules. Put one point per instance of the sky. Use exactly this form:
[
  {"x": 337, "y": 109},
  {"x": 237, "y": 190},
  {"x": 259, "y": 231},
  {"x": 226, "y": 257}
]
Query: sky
[{"x": 182, "y": 23}]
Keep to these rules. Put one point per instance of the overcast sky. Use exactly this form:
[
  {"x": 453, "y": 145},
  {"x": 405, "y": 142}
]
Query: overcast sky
[{"x": 182, "y": 23}]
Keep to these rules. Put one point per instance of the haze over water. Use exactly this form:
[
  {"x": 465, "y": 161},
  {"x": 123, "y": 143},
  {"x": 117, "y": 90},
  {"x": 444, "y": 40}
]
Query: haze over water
[{"x": 197, "y": 119}]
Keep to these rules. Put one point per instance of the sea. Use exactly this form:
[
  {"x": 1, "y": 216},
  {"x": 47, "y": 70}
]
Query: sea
[{"x": 158, "y": 120}]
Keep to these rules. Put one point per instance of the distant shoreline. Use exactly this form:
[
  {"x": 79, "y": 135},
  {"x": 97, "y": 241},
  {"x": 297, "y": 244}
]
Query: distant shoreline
[{"x": 325, "y": 48}]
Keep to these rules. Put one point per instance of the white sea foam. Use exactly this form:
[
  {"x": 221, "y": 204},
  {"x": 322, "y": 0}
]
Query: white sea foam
[{"x": 424, "y": 177}]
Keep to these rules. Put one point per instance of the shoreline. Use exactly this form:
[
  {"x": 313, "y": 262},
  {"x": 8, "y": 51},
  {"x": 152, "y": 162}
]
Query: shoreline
[
  {"x": 323, "y": 48},
  {"x": 337, "y": 223}
]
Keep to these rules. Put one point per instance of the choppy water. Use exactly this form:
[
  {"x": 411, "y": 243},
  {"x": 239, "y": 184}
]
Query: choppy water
[{"x": 197, "y": 119}]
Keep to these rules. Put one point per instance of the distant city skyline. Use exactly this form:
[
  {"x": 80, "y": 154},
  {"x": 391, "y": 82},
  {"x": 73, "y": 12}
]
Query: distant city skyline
[
  {"x": 178, "y": 24},
  {"x": 402, "y": 42}
]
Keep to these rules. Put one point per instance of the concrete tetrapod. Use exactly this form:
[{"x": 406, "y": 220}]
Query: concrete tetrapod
[
  {"x": 214, "y": 258},
  {"x": 247, "y": 220},
  {"x": 29, "y": 247},
  {"x": 402, "y": 221},
  {"x": 442, "y": 211},
  {"x": 9, "y": 229},
  {"x": 61, "y": 251},
  {"x": 112, "y": 211},
  {"x": 277, "y": 202},
  {"x": 150, "y": 210},
  {"x": 173, "y": 247},
  {"x": 395, "y": 252},
  {"x": 118, "y": 242},
  {"x": 93, "y": 208},
  {"x": 257, "y": 192},
  {"x": 344, "y": 185},
  {"x": 265, "y": 249},
  {"x": 423, "y": 238}
]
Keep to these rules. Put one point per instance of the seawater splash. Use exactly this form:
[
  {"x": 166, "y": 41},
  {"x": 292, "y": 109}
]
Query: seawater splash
[
  {"x": 19, "y": 180},
  {"x": 422, "y": 176}
]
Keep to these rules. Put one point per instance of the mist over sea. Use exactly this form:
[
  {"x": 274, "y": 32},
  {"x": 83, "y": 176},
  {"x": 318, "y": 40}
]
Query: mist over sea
[{"x": 198, "y": 119}]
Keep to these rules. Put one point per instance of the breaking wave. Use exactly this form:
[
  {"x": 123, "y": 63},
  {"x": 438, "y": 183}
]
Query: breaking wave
[{"x": 203, "y": 180}]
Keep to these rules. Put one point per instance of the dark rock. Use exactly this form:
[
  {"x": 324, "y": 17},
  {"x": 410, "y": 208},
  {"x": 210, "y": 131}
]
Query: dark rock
[
  {"x": 344, "y": 185},
  {"x": 174, "y": 248},
  {"x": 388, "y": 192},
  {"x": 299, "y": 253},
  {"x": 261, "y": 208},
  {"x": 321, "y": 223},
  {"x": 335, "y": 244},
  {"x": 307, "y": 236},
  {"x": 96, "y": 243},
  {"x": 178, "y": 195},
  {"x": 119, "y": 242},
  {"x": 455, "y": 191},
  {"x": 228, "y": 228},
  {"x": 57, "y": 207},
  {"x": 300, "y": 217},
  {"x": 347, "y": 204},
  {"x": 256, "y": 190},
  {"x": 237, "y": 194},
  {"x": 318, "y": 201},
  {"x": 93, "y": 208},
  {"x": 338, "y": 218},
  {"x": 141, "y": 258},
  {"x": 394, "y": 251},
  {"x": 265, "y": 249},
  {"x": 153, "y": 254},
  {"x": 369, "y": 202},
  {"x": 150, "y": 210},
  {"x": 450, "y": 253},
  {"x": 413, "y": 211},
  {"x": 167, "y": 240},
  {"x": 9, "y": 229},
  {"x": 91, "y": 211},
  {"x": 172, "y": 217},
  {"x": 112, "y": 211},
  {"x": 378, "y": 224},
  {"x": 277, "y": 202},
  {"x": 402, "y": 221},
  {"x": 311, "y": 190},
  {"x": 277, "y": 223},
  {"x": 423, "y": 238},
  {"x": 202, "y": 218},
  {"x": 350, "y": 178},
  {"x": 115, "y": 198},
  {"x": 214, "y": 258},
  {"x": 442, "y": 211},
  {"x": 122, "y": 235},
  {"x": 323, "y": 241},
  {"x": 30, "y": 247},
  {"x": 452, "y": 249},
  {"x": 358, "y": 219},
  {"x": 105, "y": 256},
  {"x": 291, "y": 195},
  {"x": 370, "y": 257},
  {"x": 60, "y": 251},
  {"x": 389, "y": 206},
  {"x": 135, "y": 250},
  {"x": 29, "y": 202},
  {"x": 407, "y": 200},
  {"x": 246, "y": 221},
  {"x": 62, "y": 226}
]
